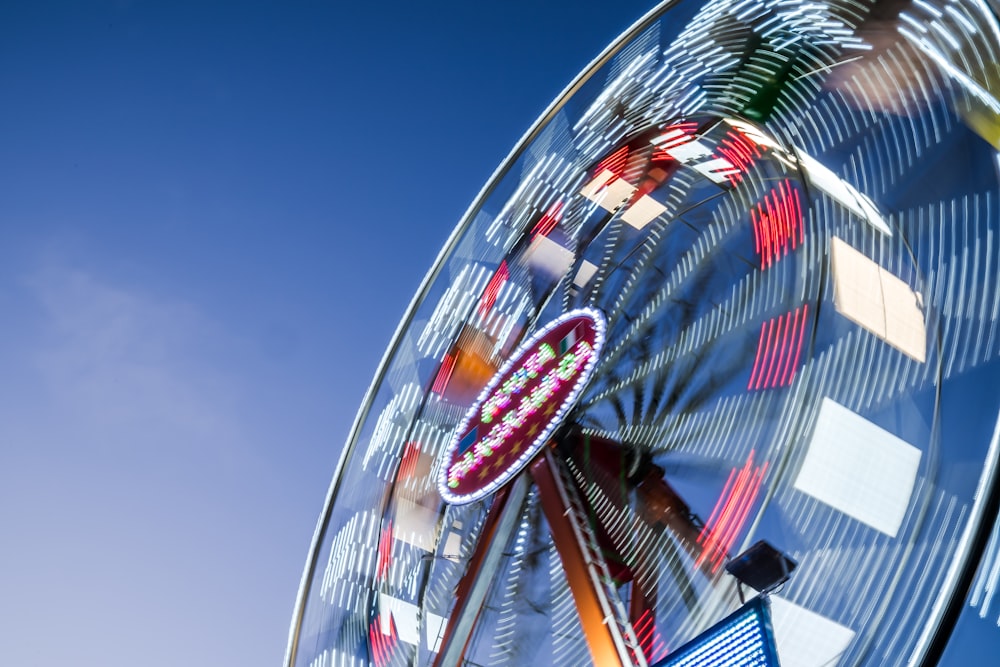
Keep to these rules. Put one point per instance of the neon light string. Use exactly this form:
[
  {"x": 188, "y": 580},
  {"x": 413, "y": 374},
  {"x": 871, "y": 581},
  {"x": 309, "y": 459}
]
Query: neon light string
[
  {"x": 569, "y": 365},
  {"x": 798, "y": 348},
  {"x": 706, "y": 529},
  {"x": 784, "y": 355},
  {"x": 716, "y": 555},
  {"x": 713, "y": 544},
  {"x": 762, "y": 346},
  {"x": 513, "y": 385},
  {"x": 408, "y": 462},
  {"x": 777, "y": 223},
  {"x": 649, "y": 637},
  {"x": 383, "y": 644},
  {"x": 755, "y": 220},
  {"x": 756, "y": 361},
  {"x": 739, "y": 151},
  {"x": 788, "y": 216},
  {"x": 745, "y": 498}
]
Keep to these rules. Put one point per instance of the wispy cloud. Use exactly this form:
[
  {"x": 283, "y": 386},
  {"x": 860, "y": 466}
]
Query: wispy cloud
[
  {"x": 129, "y": 367},
  {"x": 133, "y": 483}
]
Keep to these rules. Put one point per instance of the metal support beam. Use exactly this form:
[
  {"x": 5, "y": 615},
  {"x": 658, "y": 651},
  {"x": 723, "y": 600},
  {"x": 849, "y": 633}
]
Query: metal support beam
[
  {"x": 470, "y": 594},
  {"x": 610, "y": 637}
]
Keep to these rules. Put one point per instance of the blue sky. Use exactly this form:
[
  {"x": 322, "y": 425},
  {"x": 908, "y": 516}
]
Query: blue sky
[{"x": 212, "y": 217}]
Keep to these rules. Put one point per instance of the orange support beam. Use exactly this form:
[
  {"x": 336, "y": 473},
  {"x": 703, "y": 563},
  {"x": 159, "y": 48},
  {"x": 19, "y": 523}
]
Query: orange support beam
[{"x": 610, "y": 637}]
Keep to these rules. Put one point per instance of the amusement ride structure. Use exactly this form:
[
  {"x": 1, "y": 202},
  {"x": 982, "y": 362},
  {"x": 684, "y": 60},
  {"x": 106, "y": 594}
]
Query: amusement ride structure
[{"x": 739, "y": 283}]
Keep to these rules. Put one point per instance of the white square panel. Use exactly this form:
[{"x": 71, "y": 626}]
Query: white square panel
[
  {"x": 415, "y": 524},
  {"x": 806, "y": 639},
  {"x": 856, "y": 292},
  {"x": 878, "y": 301},
  {"x": 592, "y": 189},
  {"x": 406, "y": 617},
  {"x": 547, "y": 256},
  {"x": 859, "y": 468},
  {"x": 452, "y": 546},
  {"x": 841, "y": 191},
  {"x": 904, "y": 319},
  {"x": 643, "y": 211},
  {"x": 584, "y": 273},
  {"x": 607, "y": 190},
  {"x": 688, "y": 150}
]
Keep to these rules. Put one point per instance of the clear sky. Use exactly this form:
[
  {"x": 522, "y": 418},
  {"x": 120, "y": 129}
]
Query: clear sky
[{"x": 212, "y": 215}]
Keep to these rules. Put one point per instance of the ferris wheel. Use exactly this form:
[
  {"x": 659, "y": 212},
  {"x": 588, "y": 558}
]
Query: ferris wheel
[{"x": 738, "y": 283}]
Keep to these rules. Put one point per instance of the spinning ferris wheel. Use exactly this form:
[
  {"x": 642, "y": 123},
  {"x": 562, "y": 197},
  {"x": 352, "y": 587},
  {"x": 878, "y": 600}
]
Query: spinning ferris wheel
[{"x": 738, "y": 283}]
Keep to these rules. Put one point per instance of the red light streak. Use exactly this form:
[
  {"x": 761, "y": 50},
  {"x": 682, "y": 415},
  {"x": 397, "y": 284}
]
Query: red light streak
[
  {"x": 382, "y": 646},
  {"x": 492, "y": 290},
  {"x": 548, "y": 221},
  {"x": 790, "y": 369},
  {"x": 649, "y": 637},
  {"x": 730, "y": 514},
  {"x": 763, "y": 344},
  {"x": 740, "y": 151},
  {"x": 444, "y": 373},
  {"x": 615, "y": 163},
  {"x": 777, "y": 224},
  {"x": 384, "y": 551},
  {"x": 779, "y": 350},
  {"x": 675, "y": 135},
  {"x": 781, "y": 323},
  {"x": 408, "y": 463}
]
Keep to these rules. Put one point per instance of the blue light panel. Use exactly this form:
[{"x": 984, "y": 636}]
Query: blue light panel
[{"x": 744, "y": 639}]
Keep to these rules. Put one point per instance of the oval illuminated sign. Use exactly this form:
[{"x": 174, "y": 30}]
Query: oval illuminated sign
[{"x": 521, "y": 406}]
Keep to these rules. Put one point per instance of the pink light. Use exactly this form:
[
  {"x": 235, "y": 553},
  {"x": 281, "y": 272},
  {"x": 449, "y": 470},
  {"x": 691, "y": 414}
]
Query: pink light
[
  {"x": 784, "y": 355},
  {"x": 763, "y": 343},
  {"x": 782, "y": 323},
  {"x": 775, "y": 363},
  {"x": 798, "y": 349},
  {"x": 713, "y": 537},
  {"x": 718, "y": 506},
  {"x": 492, "y": 291},
  {"x": 740, "y": 510}
]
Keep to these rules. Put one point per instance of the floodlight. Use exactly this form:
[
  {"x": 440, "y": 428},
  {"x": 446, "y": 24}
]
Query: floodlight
[{"x": 761, "y": 567}]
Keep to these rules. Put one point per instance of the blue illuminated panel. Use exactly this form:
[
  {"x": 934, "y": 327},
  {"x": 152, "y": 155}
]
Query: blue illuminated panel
[{"x": 743, "y": 638}]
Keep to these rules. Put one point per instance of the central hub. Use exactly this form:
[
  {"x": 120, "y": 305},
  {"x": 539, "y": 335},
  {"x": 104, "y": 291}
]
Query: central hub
[{"x": 521, "y": 406}]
